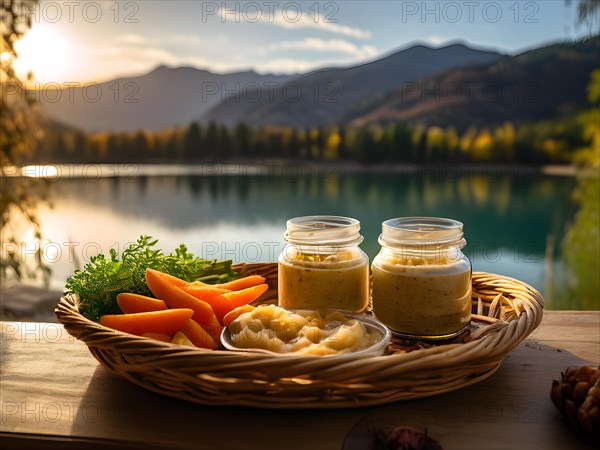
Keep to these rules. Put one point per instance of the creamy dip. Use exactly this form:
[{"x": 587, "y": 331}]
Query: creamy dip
[
  {"x": 303, "y": 332},
  {"x": 422, "y": 297},
  {"x": 337, "y": 280}
]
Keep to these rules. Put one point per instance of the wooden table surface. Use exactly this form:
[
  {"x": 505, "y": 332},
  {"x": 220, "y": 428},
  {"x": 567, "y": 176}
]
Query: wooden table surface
[{"x": 54, "y": 394}]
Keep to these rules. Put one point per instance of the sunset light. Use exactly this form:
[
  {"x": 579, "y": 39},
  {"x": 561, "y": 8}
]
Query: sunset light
[{"x": 47, "y": 52}]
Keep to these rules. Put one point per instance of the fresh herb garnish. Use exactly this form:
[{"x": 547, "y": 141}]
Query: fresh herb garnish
[{"x": 103, "y": 278}]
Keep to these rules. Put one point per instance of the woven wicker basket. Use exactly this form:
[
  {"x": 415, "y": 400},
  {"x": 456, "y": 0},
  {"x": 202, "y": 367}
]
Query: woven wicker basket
[{"x": 505, "y": 311}]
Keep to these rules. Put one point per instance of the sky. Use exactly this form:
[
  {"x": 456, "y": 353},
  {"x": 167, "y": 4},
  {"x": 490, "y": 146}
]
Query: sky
[{"x": 81, "y": 41}]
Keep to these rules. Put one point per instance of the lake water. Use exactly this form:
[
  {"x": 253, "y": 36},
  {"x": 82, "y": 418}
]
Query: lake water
[{"x": 514, "y": 219}]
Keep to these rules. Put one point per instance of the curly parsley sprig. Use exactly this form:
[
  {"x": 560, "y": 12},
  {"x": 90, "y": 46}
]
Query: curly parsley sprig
[{"x": 103, "y": 278}]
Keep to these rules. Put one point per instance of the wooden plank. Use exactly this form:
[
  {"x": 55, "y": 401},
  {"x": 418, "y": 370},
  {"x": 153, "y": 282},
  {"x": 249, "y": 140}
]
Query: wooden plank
[
  {"x": 575, "y": 331},
  {"x": 53, "y": 390},
  {"x": 49, "y": 442}
]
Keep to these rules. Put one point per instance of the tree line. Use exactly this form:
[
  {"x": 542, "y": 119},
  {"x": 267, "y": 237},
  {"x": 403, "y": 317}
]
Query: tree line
[{"x": 552, "y": 142}]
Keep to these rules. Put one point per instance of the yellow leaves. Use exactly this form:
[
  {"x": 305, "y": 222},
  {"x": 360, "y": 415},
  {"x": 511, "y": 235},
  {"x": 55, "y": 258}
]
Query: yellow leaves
[
  {"x": 593, "y": 88},
  {"x": 452, "y": 140},
  {"x": 466, "y": 141},
  {"x": 435, "y": 138},
  {"x": 332, "y": 145},
  {"x": 333, "y": 141},
  {"x": 482, "y": 146}
]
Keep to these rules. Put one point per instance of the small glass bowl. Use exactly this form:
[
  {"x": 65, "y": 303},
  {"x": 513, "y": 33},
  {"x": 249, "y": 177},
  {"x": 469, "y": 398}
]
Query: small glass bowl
[{"x": 371, "y": 324}]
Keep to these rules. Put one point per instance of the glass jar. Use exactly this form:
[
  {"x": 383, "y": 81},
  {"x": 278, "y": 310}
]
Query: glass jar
[
  {"x": 322, "y": 265},
  {"x": 421, "y": 278}
]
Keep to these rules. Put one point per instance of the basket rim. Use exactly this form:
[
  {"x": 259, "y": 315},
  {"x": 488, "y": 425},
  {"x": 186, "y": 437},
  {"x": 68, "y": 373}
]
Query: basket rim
[{"x": 67, "y": 308}]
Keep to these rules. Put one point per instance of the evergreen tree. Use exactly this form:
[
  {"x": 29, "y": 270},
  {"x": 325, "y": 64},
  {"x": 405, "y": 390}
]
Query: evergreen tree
[
  {"x": 225, "y": 145},
  {"x": 314, "y": 137},
  {"x": 112, "y": 147},
  {"x": 192, "y": 142},
  {"x": 80, "y": 146},
  {"x": 401, "y": 151},
  {"x": 452, "y": 145},
  {"x": 140, "y": 149},
  {"x": 60, "y": 148},
  {"x": 241, "y": 139},
  {"x": 342, "y": 147},
  {"x": 174, "y": 145},
  {"x": 211, "y": 142}
]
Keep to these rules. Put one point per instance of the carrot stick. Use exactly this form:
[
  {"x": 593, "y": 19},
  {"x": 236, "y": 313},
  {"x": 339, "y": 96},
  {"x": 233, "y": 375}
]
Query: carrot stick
[
  {"x": 170, "y": 278},
  {"x": 136, "y": 303},
  {"x": 163, "y": 322},
  {"x": 209, "y": 294},
  {"x": 220, "y": 305},
  {"x": 198, "y": 335},
  {"x": 161, "y": 286},
  {"x": 245, "y": 296},
  {"x": 236, "y": 285},
  {"x": 205, "y": 292},
  {"x": 158, "y": 336},
  {"x": 235, "y": 313}
]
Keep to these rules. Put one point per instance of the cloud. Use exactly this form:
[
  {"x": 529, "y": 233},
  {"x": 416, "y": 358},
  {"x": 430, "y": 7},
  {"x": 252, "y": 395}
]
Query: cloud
[
  {"x": 138, "y": 39},
  {"x": 134, "y": 54},
  {"x": 321, "y": 23},
  {"x": 138, "y": 53},
  {"x": 435, "y": 40},
  {"x": 139, "y": 59},
  {"x": 296, "y": 18},
  {"x": 286, "y": 66},
  {"x": 326, "y": 45},
  {"x": 185, "y": 39},
  {"x": 131, "y": 39}
]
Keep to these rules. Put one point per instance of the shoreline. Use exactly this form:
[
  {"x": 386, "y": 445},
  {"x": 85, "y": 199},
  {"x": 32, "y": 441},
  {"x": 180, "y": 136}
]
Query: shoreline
[
  {"x": 27, "y": 302},
  {"x": 280, "y": 167}
]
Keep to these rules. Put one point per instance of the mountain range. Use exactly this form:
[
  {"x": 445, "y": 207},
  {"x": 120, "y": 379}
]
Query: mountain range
[
  {"x": 163, "y": 98},
  {"x": 453, "y": 85},
  {"x": 323, "y": 97},
  {"x": 536, "y": 85}
]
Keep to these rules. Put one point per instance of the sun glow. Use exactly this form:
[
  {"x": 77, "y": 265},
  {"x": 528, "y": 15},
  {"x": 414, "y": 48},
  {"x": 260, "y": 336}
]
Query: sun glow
[
  {"x": 45, "y": 52},
  {"x": 39, "y": 171}
]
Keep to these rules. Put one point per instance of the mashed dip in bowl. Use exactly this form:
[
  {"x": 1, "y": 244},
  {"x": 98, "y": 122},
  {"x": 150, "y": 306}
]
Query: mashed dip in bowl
[{"x": 278, "y": 331}]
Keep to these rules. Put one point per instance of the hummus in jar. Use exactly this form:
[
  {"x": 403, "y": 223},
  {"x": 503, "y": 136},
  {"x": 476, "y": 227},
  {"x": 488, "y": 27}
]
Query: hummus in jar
[
  {"x": 422, "y": 297},
  {"x": 301, "y": 332},
  {"x": 337, "y": 280}
]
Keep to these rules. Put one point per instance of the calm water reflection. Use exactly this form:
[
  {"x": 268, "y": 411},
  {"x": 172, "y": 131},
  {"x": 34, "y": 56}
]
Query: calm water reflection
[{"x": 510, "y": 219}]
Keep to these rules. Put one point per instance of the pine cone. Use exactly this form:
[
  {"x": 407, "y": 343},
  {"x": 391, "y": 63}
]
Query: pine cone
[
  {"x": 577, "y": 397},
  {"x": 404, "y": 438}
]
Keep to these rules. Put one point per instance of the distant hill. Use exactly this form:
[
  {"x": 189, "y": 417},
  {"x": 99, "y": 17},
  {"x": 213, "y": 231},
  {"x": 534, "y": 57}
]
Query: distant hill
[
  {"x": 160, "y": 99},
  {"x": 454, "y": 85},
  {"x": 540, "y": 84},
  {"x": 324, "y": 97}
]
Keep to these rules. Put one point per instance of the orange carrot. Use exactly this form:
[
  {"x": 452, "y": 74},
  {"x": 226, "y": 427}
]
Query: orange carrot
[
  {"x": 245, "y": 296},
  {"x": 236, "y": 285},
  {"x": 170, "y": 278},
  {"x": 158, "y": 336},
  {"x": 136, "y": 303},
  {"x": 204, "y": 292},
  {"x": 220, "y": 305},
  {"x": 198, "y": 335},
  {"x": 197, "y": 289},
  {"x": 235, "y": 313},
  {"x": 163, "y": 322},
  {"x": 161, "y": 286}
]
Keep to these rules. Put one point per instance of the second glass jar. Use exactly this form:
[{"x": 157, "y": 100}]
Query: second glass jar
[
  {"x": 322, "y": 265},
  {"x": 421, "y": 278}
]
